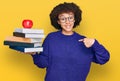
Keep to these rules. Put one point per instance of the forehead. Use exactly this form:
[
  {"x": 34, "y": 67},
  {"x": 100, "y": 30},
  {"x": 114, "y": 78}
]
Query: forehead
[{"x": 66, "y": 14}]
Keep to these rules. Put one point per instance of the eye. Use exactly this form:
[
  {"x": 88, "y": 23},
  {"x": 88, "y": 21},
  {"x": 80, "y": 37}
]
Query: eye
[
  {"x": 71, "y": 17},
  {"x": 62, "y": 18}
]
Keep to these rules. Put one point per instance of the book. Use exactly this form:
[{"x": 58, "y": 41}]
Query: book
[
  {"x": 24, "y": 49},
  {"x": 13, "y": 43},
  {"x": 21, "y": 39},
  {"x": 25, "y": 30},
  {"x": 28, "y": 35}
]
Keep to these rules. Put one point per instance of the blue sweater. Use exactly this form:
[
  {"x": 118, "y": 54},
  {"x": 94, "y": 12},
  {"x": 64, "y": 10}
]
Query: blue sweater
[{"x": 67, "y": 59}]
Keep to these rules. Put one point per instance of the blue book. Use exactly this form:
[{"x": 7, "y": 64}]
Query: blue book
[
  {"x": 13, "y": 43},
  {"x": 24, "y": 49}
]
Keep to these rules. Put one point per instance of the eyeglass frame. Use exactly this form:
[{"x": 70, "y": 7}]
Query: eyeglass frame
[{"x": 67, "y": 19}]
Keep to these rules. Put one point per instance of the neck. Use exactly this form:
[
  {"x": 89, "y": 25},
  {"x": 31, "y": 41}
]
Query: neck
[{"x": 67, "y": 32}]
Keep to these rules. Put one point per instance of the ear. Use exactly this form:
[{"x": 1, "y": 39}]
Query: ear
[
  {"x": 58, "y": 22},
  {"x": 74, "y": 21}
]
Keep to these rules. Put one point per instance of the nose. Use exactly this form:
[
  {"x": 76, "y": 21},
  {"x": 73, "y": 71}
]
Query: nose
[{"x": 67, "y": 20}]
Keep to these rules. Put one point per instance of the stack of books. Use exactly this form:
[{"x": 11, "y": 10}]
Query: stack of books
[{"x": 26, "y": 40}]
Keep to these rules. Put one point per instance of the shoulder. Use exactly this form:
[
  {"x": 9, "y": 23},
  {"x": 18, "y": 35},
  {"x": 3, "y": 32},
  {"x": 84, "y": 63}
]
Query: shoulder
[
  {"x": 52, "y": 34},
  {"x": 79, "y": 36}
]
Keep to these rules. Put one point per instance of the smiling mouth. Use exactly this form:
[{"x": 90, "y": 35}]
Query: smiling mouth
[{"x": 68, "y": 27}]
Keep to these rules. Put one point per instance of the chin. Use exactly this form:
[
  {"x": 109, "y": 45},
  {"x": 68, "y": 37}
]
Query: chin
[{"x": 68, "y": 30}]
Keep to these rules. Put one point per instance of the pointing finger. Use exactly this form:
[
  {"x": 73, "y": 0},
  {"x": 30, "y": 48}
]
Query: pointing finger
[{"x": 81, "y": 40}]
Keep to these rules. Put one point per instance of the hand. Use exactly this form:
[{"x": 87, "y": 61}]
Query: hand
[
  {"x": 31, "y": 53},
  {"x": 88, "y": 42}
]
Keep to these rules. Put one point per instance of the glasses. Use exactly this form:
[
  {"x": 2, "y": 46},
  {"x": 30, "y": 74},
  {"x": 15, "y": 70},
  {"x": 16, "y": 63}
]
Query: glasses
[{"x": 64, "y": 19}]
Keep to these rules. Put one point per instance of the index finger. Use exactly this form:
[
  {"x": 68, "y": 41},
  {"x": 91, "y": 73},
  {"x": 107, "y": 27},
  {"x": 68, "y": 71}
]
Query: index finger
[{"x": 81, "y": 40}]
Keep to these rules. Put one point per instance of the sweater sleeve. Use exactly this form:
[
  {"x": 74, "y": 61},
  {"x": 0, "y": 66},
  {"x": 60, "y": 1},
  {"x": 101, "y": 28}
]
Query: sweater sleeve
[
  {"x": 101, "y": 55},
  {"x": 41, "y": 59}
]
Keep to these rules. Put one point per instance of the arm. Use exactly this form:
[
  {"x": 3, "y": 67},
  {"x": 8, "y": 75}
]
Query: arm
[
  {"x": 100, "y": 54},
  {"x": 41, "y": 60}
]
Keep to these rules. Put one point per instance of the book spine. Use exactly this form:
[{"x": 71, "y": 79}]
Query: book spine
[
  {"x": 28, "y": 35},
  {"x": 24, "y": 49},
  {"x": 11, "y": 43},
  {"x": 18, "y": 34},
  {"x": 17, "y": 48},
  {"x": 21, "y": 39}
]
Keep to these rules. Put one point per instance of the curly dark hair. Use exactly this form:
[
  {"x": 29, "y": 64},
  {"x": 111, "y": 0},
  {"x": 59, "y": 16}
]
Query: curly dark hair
[{"x": 65, "y": 8}]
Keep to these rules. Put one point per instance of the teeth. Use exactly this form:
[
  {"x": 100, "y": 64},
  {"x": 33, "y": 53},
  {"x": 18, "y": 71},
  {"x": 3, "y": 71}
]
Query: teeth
[{"x": 67, "y": 26}]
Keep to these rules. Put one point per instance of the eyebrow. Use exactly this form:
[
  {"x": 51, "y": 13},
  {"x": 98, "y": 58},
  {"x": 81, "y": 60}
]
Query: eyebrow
[{"x": 64, "y": 16}]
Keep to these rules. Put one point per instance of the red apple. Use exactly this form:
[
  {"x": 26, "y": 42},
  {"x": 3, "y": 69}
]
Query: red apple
[{"x": 27, "y": 23}]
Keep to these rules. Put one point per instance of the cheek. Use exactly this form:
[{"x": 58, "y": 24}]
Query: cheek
[
  {"x": 62, "y": 26},
  {"x": 72, "y": 24}
]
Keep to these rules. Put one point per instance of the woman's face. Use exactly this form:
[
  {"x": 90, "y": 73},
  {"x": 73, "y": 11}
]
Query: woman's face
[{"x": 66, "y": 20}]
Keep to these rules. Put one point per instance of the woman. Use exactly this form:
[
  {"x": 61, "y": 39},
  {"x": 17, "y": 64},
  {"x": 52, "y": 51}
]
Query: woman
[{"x": 67, "y": 55}]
